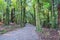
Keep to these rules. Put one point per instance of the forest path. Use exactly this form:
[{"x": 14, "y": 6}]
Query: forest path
[{"x": 26, "y": 33}]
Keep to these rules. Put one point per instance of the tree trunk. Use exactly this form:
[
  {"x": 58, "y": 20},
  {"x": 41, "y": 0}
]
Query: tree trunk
[
  {"x": 7, "y": 16},
  {"x": 59, "y": 16},
  {"x": 38, "y": 26},
  {"x": 12, "y": 15},
  {"x": 23, "y": 11},
  {"x": 34, "y": 15}
]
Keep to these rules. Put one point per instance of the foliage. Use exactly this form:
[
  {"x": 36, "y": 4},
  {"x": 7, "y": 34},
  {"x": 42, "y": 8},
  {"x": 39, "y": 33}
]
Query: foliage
[{"x": 31, "y": 10}]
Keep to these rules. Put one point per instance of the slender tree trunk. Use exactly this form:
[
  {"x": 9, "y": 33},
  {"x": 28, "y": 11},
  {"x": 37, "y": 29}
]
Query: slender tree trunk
[
  {"x": 38, "y": 26},
  {"x": 7, "y": 11},
  {"x": 52, "y": 15},
  {"x": 12, "y": 15},
  {"x": 34, "y": 15},
  {"x": 7, "y": 16},
  {"x": 54, "y": 25},
  {"x": 2, "y": 16},
  {"x": 59, "y": 16},
  {"x": 21, "y": 15},
  {"x": 23, "y": 11}
]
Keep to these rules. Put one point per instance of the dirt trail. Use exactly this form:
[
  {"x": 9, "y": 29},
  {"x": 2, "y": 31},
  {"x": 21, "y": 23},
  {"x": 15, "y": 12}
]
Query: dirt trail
[{"x": 26, "y": 33}]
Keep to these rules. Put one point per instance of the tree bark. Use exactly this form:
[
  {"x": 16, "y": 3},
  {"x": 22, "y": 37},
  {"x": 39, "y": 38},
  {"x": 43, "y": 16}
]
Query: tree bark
[
  {"x": 7, "y": 16},
  {"x": 12, "y": 15},
  {"x": 38, "y": 26}
]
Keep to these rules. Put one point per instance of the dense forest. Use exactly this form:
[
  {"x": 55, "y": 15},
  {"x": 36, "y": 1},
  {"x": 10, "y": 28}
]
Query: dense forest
[
  {"x": 44, "y": 15},
  {"x": 41, "y": 13}
]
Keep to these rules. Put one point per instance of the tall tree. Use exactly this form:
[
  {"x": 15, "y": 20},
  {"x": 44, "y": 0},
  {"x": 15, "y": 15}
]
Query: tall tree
[
  {"x": 38, "y": 25},
  {"x": 12, "y": 15},
  {"x": 23, "y": 11},
  {"x": 7, "y": 16},
  {"x": 7, "y": 11},
  {"x": 53, "y": 13}
]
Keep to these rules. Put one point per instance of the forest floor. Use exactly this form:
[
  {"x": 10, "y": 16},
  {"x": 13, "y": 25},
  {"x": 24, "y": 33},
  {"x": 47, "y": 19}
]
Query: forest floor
[
  {"x": 8, "y": 28},
  {"x": 26, "y": 33}
]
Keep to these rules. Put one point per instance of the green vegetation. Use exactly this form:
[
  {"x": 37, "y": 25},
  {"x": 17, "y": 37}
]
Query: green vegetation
[{"x": 41, "y": 13}]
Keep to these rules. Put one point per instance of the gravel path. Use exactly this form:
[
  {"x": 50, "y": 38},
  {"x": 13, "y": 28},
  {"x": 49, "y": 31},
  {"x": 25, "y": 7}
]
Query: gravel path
[{"x": 26, "y": 33}]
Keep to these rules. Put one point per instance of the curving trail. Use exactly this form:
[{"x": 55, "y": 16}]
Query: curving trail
[{"x": 26, "y": 33}]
